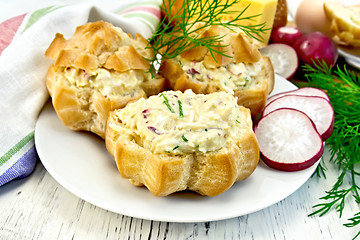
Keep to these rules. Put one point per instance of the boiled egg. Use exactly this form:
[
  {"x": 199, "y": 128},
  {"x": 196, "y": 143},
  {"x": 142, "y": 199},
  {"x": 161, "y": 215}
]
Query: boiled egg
[{"x": 310, "y": 17}]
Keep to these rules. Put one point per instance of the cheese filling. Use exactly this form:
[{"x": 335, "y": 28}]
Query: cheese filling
[
  {"x": 227, "y": 78},
  {"x": 107, "y": 82},
  {"x": 180, "y": 123}
]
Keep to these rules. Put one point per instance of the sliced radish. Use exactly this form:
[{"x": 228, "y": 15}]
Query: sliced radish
[
  {"x": 283, "y": 58},
  {"x": 305, "y": 91},
  {"x": 288, "y": 140},
  {"x": 318, "y": 109}
]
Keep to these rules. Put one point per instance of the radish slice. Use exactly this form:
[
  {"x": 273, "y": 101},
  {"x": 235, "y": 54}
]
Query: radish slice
[
  {"x": 318, "y": 109},
  {"x": 288, "y": 140},
  {"x": 283, "y": 58},
  {"x": 305, "y": 91}
]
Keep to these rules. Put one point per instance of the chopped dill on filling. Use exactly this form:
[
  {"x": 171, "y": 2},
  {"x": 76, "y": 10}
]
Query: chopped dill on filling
[{"x": 206, "y": 123}]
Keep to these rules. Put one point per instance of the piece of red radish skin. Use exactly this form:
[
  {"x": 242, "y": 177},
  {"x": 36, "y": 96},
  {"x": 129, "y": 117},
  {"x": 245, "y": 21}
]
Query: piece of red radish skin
[
  {"x": 318, "y": 109},
  {"x": 283, "y": 58},
  {"x": 315, "y": 47},
  {"x": 305, "y": 91},
  {"x": 286, "y": 34},
  {"x": 288, "y": 140}
]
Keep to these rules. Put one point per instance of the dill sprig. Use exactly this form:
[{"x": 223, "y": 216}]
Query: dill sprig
[
  {"x": 181, "y": 114},
  {"x": 166, "y": 101},
  {"x": 343, "y": 88},
  {"x": 180, "y": 31},
  {"x": 184, "y": 138}
]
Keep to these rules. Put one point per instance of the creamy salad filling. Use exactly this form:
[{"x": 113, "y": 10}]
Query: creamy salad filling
[
  {"x": 228, "y": 78},
  {"x": 107, "y": 82},
  {"x": 179, "y": 123}
]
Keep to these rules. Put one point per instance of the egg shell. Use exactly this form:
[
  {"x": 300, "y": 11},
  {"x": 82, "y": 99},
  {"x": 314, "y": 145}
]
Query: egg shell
[{"x": 310, "y": 17}]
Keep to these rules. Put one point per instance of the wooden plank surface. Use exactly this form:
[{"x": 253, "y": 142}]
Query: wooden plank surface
[{"x": 39, "y": 208}]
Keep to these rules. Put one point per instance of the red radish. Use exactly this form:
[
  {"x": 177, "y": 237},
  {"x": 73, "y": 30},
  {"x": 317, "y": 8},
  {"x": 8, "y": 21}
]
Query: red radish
[
  {"x": 288, "y": 140},
  {"x": 316, "y": 46},
  {"x": 283, "y": 58},
  {"x": 287, "y": 35},
  {"x": 318, "y": 109},
  {"x": 305, "y": 91}
]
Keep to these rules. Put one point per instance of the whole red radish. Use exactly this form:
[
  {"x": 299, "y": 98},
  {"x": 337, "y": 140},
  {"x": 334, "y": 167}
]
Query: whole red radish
[
  {"x": 315, "y": 47},
  {"x": 287, "y": 35}
]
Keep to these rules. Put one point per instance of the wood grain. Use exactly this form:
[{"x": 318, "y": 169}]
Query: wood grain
[{"x": 39, "y": 208}]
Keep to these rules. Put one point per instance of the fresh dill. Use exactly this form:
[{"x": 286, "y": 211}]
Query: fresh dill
[
  {"x": 180, "y": 31},
  {"x": 343, "y": 88},
  {"x": 184, "y": 138},
  {"x": 166, "y": 101},
  {"x": 181, "y": 114}
]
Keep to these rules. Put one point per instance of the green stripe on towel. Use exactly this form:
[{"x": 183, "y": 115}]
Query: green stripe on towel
[
  {"x": 35, "y": 16},
  {"x": 144, "y": 16},
  {"x": 137, "y": 4},
  {"x": 4, "y": 158}
]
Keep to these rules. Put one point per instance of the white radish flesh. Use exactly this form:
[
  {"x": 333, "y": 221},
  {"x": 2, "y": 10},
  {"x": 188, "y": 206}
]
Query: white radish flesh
[
  {"x": 283, "y": 58},
  {"x": 288, "y": 140},
  {"x": 318, "y": 109},
  {"x": 305, "y": 91}
]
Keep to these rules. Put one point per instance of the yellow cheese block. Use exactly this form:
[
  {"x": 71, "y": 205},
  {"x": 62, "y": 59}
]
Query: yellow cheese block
[{"x": 266, "y": 9}]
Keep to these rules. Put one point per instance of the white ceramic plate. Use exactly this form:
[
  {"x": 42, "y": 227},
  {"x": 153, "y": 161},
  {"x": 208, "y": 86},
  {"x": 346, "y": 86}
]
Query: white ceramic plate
[
  {"x": 79, "y": 162},
  {"x": 351, "y": 56}
]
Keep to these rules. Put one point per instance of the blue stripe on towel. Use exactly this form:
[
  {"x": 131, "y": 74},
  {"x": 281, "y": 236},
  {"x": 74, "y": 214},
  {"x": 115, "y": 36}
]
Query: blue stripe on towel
[{"x": 22, "y": 168}]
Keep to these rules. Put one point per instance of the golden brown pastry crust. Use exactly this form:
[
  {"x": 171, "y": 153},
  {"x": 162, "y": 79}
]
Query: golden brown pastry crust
[
  {"x": 255, "y": 98},
  {"x": 205, "y": 173},
  {"x": 241, "y": 50},
  {"x": 96, "y": 46}
]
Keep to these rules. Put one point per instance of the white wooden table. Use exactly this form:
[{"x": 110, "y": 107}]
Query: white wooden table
[{"x": 39, "y": 208}]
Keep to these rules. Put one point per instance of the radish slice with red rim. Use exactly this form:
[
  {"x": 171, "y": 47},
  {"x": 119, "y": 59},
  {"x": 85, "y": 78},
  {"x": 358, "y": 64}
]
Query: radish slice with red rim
[
  {"x": 305, "y": 91},
  {"x": 283, "y": 58},
  {"x": 288, "y": 140},
  {"x": 318, "y": 109}
]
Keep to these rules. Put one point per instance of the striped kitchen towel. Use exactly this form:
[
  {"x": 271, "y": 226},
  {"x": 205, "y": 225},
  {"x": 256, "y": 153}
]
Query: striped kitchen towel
[{"x": 23, "y": 66}]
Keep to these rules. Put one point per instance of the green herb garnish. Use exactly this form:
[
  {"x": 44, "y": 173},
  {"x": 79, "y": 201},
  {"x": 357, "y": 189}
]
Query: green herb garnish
[
  {"x": 184, "y": 138},
  {"x": 179, "y": 30},
  {"x": 343, "y": 88},
  {"x": 166, "y": 101},
  {"x": 176, "y": 147},
  {"x": 181, "y": 114}
]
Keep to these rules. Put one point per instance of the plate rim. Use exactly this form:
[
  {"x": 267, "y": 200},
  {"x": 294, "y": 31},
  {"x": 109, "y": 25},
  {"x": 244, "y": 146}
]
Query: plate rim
[{"x": 88, "y": 198}]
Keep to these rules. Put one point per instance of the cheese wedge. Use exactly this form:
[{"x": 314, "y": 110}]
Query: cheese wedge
[{"x": 264, "y": 10}]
